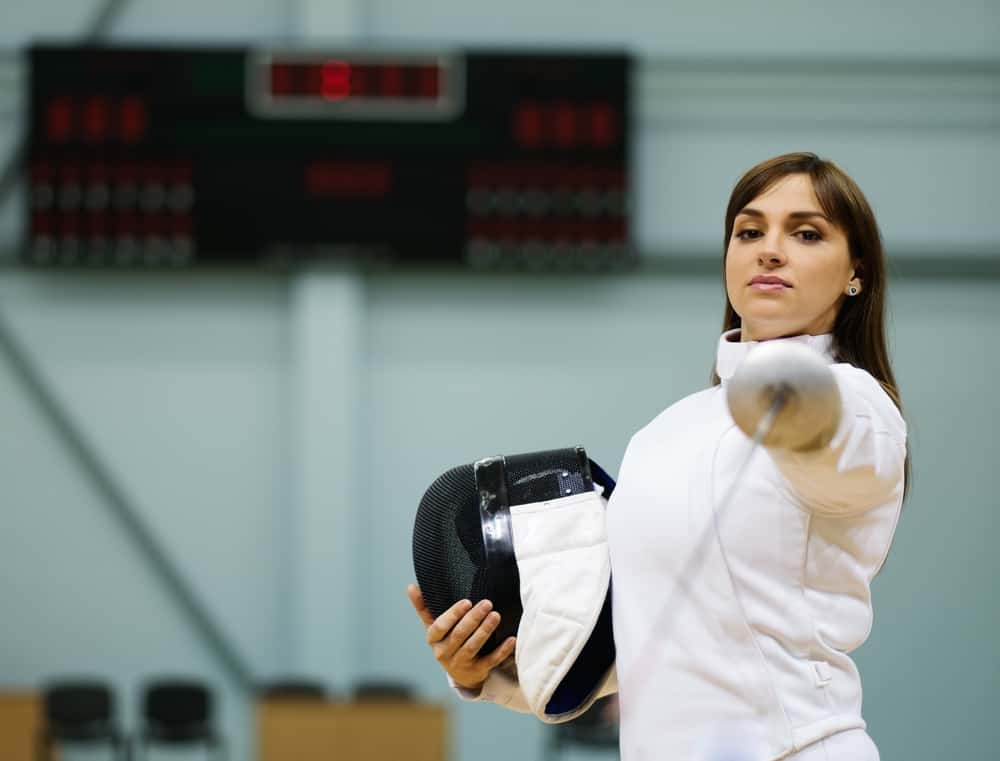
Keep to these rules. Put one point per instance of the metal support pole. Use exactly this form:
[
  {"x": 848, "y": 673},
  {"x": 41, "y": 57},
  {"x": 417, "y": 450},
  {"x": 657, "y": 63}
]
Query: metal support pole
[{"x": 122, "y": 509}]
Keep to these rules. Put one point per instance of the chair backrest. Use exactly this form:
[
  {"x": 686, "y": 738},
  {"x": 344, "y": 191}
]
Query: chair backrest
[
  {"x": 177, "y": 704},
  {"x": 298, "y": 689},
  {"x": 78, "y": 704},
  {"x": 378, "y": 690}
]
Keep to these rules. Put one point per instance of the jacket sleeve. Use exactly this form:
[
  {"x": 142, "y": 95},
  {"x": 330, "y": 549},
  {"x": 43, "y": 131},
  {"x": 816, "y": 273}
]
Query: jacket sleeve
[
  {"x": 863, "y": 465},
  {"x": 501, "y": 687}
]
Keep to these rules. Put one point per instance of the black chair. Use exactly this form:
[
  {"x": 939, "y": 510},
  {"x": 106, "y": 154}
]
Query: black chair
[
  {"x": 79, "y": 713},
  {"x": 293, "y": 689},
  {"x": 178, "y": 713},
  {"x": 596, "y": 728},
  {"x": 385, "y": 691}
]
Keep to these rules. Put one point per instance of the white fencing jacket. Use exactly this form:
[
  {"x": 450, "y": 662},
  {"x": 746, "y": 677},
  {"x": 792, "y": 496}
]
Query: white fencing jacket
[{"x": 733, "y": 626}]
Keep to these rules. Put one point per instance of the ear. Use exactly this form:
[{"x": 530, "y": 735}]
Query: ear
[{"x": 857, "y": 278}]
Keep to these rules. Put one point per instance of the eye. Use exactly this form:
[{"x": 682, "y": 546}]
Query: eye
[
  {"x": 810, "y": 236},
  {"x": 748, "y": 234}
]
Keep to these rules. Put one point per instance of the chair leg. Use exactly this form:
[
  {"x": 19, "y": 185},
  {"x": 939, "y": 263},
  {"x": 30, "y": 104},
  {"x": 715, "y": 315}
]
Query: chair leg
[{"x": 122, "y": 748}]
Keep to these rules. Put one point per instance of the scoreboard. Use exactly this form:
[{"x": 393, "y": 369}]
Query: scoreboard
[{"x": 167, "y": 157}]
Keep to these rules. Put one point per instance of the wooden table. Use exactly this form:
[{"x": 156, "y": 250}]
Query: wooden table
[
  {"x": 20, "y": 722},
  {"x": 295, "y": 729}
]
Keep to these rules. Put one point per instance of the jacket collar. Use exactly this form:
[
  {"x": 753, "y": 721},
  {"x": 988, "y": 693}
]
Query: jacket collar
[{"x": 732, "y": 351}]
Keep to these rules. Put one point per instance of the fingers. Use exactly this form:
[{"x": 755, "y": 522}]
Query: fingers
[
  {"x": 462, "y": 630},
  {"x": 470, "y": 623},
  {"x": 502, "y": 653},
  {"x": 444, "y": 623},
  {"x": 478, "y": 638},
  {"x": 445, "y": 649},
  {"x": 417, "y": 600}
]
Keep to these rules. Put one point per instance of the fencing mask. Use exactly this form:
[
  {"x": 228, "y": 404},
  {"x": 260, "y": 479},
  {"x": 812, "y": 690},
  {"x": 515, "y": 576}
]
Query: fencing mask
[{"x": 528, "y": 533}]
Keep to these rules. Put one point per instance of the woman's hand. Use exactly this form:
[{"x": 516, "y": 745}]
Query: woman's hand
[{"x": 457, "y": 635}]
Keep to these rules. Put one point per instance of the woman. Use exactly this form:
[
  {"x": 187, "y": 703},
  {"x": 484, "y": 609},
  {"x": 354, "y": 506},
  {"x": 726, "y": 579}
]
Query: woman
[{"x": 751, "y": 661}]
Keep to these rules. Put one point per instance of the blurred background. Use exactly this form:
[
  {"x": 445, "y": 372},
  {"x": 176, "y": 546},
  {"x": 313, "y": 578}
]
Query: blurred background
[{"x": 210, "y": 467}]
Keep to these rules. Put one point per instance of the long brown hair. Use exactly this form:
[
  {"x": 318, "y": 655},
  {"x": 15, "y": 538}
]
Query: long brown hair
[{"x": 859, "y": 328}]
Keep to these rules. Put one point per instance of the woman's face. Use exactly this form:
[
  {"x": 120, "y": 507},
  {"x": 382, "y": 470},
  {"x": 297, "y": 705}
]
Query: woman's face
[{"x": 788, "y": 267}]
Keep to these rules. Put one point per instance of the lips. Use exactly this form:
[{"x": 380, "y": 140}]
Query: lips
[{"x": 772, "y": 280}]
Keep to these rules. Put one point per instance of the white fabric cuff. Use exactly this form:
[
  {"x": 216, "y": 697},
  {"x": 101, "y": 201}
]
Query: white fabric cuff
[{"x": 500, "y": 688}]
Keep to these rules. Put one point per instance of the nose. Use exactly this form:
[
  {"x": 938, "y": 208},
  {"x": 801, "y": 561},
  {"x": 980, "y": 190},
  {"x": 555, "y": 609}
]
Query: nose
[{"x": 770, "y": 253}]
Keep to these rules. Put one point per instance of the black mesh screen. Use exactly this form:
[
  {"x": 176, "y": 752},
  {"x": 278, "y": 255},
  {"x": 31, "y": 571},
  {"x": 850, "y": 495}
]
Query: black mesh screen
[{"x": 448, "y": 534}]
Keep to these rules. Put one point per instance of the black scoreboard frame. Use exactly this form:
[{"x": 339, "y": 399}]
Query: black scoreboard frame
[{"x": 157, "y": 156}]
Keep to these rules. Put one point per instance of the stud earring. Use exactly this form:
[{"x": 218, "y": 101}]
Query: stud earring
[{"x": 852, "y": 291}]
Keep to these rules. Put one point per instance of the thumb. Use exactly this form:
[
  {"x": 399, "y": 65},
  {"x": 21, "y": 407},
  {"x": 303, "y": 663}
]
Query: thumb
[{"x": 417, "y": 600}]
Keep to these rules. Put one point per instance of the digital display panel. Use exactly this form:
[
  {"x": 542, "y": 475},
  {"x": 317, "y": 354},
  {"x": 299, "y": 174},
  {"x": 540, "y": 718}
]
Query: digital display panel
[
  {"x": 405, "y": 88},
  {"x": 174, "y": 157}
]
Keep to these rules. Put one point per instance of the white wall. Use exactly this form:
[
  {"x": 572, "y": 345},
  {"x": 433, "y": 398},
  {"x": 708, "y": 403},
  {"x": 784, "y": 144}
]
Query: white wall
[
  {"x": 180, "y": 387},
  {"x": 706, "y": 28}
]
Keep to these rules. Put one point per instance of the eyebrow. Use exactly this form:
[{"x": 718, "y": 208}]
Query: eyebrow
[{"x": 750, "y": 212}]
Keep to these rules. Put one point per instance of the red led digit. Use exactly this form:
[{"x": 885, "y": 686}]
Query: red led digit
[
  {"x": 152, "y": 173},
  {"x": 181, "y": 173},
  {"x": 96, "y": 118},
  {"x": 41, "y": 172},
  {"x": 41, "y": 223},
  {"x": 392, "y": 81},
  {"x": 335, "y": 80},
  {"x": 615, "y": 230},
  {"x": 613, "y": 178},
  {"x": 97, "y": 225},
  {"x": 565, "y": 177},
  {"x": 97, "y": 174},
  {"x": 365, "y": 81},
  {"x": 533, "y": 228},
  {"x": 152, "y": 225},
  {"x": 133, "y": 119},
  {"x": 430, "y": 81},
  {"x": 491, "y": 229},
  {"x": 181, "y": 226},
  {"x": 528, "y": 124},
  {"x": 281, "y": 79},
  {"x": 348, "y": 179},
  {"x": 564, "y": 124},
  {"x": 588, "y": 177},
  {"x": 127, "y": 174},
  {"x": 603, "y": 125},
  {"x": 127, "y": 225},
  {"x": 59, "y": 119},
  {"x": 505, "y": 229},
  {"x": 309, "y": 80},
  {"x": 69, "y": 174},
  {"x": 70, "y": 224}
]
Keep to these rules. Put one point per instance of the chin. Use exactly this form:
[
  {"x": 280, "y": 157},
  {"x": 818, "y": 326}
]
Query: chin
[{"x": 765, "y": 330}]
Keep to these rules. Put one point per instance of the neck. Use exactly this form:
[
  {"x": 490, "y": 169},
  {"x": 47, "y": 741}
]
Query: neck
[{"x": 747, "y": 334}]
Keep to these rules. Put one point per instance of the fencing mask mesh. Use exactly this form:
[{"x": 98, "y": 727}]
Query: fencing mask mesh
[{"x": 448, "y": 534}]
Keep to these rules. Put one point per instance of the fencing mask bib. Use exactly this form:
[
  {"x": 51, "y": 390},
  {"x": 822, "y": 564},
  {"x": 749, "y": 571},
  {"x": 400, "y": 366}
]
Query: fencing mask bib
[{"x": 527, "y": 532}]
